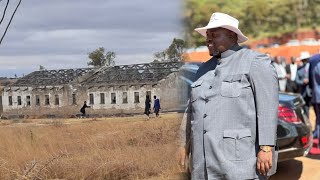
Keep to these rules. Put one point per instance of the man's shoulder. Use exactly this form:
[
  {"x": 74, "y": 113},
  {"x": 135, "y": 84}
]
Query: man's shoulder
[
  {"x": 252, "y": 53},
  {"x": 211, "y": 61},
  {"x": 259, "y": 57},
  {"x": 206, "y": 66}
]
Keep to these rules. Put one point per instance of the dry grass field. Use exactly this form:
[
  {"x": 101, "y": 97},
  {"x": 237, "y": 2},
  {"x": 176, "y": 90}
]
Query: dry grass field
[{"x": 106, "y": 148}]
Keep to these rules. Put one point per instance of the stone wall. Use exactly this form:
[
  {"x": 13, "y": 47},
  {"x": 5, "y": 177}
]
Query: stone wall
[{"x": 166, "y": 90}]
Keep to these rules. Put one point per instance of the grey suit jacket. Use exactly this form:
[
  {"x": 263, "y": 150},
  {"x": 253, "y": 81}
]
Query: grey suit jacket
[{"x": 232, "y": 110}]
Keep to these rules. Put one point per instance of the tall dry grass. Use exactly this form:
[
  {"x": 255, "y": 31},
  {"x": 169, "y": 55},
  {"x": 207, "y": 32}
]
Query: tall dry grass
[{"x": 113, "y": 148}]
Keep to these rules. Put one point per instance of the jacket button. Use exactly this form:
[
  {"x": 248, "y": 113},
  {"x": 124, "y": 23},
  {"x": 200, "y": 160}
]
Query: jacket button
[
  {"x": 206, "y": 100},
  {"x": 205, "y": 115},
  {"x": 210, "y": 87},
  {"x": 219, "y": 62},
  {"x": 204, "y": 131}
]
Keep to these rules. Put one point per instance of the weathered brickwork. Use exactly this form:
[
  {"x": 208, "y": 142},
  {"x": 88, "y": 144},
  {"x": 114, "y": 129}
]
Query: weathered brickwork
[{"x": 108, "y": 90}]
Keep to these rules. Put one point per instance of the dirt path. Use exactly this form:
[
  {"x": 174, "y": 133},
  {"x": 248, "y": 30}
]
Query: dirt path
[{"x": 303, "y": 168}]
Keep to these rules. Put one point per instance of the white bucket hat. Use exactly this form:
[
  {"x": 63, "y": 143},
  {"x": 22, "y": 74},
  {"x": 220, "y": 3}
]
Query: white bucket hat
[
  {"x": 304, "y": 55},
  {"x": 225, "y": 21}
]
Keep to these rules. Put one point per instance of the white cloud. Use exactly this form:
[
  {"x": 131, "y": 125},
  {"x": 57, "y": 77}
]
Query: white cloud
[{"x": 59, "y": 33}]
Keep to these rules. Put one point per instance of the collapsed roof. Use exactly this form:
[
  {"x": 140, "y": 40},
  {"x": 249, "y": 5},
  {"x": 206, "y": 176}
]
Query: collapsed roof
[{"x": 148, "y": 73}]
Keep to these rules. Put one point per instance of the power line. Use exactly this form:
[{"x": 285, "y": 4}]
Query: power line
[
  {"x": 4, "y": 12},
  {"x": 10, "y": 21}
]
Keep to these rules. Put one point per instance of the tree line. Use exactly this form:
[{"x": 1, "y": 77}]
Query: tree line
[
  {"x": 101, "y": 57},
  {"x": 258, "y": 18}
]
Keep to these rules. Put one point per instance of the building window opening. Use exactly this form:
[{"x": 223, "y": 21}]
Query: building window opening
[
  {"x": 56, "y": 101},
  {"x": 10, "y": 100},
  {"x": 37, "y": 100},
  {"x": 19, "y": 101},
  {"x": 28, "y": 100},
  {"x": 74, "y": 99},
  {"x": 124, "y": 98},
  {"x": 47, "y": 100},
  {"x": 113, "y": 98},
  {"x": 136, "y": 97},
  {"x": 102, "y": 98},
  {"x": 91, "y": 98},
  {"x": 149, "y": 93}
]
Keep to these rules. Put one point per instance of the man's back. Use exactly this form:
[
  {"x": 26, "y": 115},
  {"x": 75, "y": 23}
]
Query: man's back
[
  {"x": 157, "y": 103},
  {"x": 314, "y": 76}
]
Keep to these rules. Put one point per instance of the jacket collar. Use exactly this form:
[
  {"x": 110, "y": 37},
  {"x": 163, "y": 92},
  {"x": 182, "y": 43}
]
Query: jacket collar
[{"x": 230, "y": 51}]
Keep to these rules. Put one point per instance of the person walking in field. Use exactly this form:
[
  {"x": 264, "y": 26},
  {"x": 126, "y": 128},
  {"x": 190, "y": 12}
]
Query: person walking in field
[
  {"x": 83, "y": 109},
  {"x": 156, "y": 106},
  {"x": 147, "y": 106}
]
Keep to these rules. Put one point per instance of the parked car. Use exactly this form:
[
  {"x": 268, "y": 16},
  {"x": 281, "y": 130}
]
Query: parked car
[
  {"x": 274, "y": 45},
  {"x": 293, "y": 42},
  {"x": 259, "y": 46},
  {"x": 294, "y": 133},
  {"x": 309, "y": 42}
]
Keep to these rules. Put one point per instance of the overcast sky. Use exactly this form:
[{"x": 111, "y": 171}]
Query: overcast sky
[{"x": 60, "y": 33}]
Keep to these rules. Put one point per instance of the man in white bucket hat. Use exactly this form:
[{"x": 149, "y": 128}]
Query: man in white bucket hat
[
  {"x": 302, "y": 80},
  {"x": 231, "y": 121}
]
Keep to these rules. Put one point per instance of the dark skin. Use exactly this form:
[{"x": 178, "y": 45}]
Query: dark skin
[{"x": 219, "y": 40}]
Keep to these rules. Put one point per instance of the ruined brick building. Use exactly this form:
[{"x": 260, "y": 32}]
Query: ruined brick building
[{"x": 108, "y": 90}]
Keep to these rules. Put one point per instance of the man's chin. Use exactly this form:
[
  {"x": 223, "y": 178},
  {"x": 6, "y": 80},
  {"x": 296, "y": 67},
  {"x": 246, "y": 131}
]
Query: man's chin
[{"x": 214, "y": 53}]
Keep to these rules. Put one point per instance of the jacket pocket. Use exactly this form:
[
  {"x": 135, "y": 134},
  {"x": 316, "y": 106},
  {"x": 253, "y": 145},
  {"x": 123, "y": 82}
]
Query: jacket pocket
[
  {"x": 196, "y": 90},
  {"x": 196, "y": 83},
  {"x": 231, "y": 86},
  {"x": 237, "y": 144}
]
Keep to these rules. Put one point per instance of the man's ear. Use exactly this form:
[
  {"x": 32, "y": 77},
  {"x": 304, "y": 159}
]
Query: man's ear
[{"x": 233, "y": 36}]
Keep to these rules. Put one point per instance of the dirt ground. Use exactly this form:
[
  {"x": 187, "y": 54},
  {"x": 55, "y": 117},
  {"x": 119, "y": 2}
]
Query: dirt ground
[
  {"x": 304, "y": 168},
  {"x": 152, "y": 146}
]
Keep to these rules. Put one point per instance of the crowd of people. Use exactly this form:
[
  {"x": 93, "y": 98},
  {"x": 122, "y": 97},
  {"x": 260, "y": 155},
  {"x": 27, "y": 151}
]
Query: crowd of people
[
  {"x": 299, "y": 75},
  {"x": 293, "y": 76}
]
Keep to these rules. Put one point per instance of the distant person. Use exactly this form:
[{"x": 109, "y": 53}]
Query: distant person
[
  {"x": 281, "y": 72},
  {"x": 156, "y": 106},
  {"x": 83, "y": 109},
  {"x": 147, "y": 106},
  {"x": 291, "y": 70},
  {"x": 302, "y": 81},
  {"x": 314, "y": 79}
]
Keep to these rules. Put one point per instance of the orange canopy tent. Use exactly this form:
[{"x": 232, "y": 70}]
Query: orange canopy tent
[
  {"x": 202, "y": 56},
  {"x": 290, "y": 51},
  {"x": 283, "y": 51}
]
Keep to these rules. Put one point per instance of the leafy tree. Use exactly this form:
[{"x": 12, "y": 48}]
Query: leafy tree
[
  {"x": 161, "y": 56},
  {"x": 173, "y": 53},
  {"x": 258, "y": 18},
  {"x": 155, "y": 61},
  {"x": 176, "y": 49},
  {"x": 41, "y": 68},
  {"x": 196, "y": 14},
  {"x": 99, "y": 58}
]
